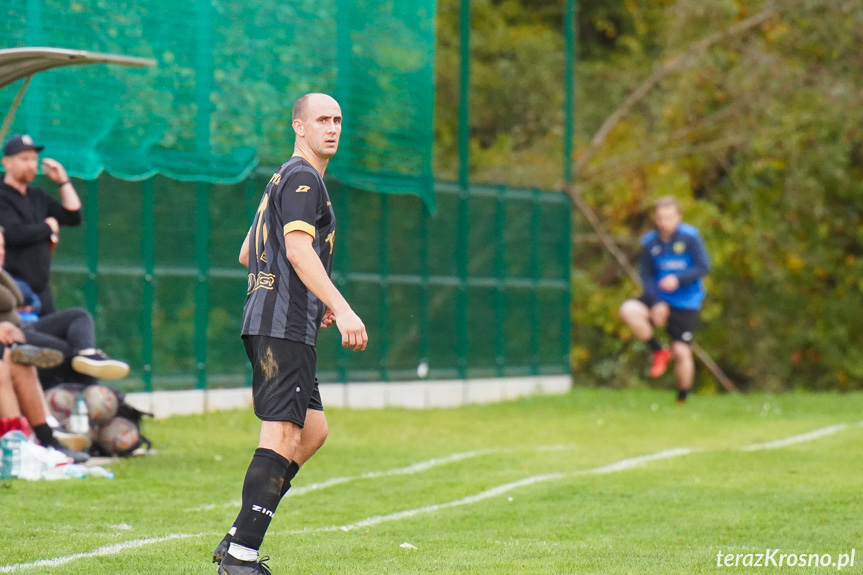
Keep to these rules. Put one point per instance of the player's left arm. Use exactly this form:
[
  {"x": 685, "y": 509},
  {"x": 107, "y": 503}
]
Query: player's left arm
[{"x": 700, "y": 262}]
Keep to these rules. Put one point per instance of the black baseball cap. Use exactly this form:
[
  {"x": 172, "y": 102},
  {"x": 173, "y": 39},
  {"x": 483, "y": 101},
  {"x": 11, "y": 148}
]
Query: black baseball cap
[{"x": 18, "y": 144}]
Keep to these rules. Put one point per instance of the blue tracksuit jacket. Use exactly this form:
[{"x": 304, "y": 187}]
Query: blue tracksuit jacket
[{"x": 684, "y": 256}]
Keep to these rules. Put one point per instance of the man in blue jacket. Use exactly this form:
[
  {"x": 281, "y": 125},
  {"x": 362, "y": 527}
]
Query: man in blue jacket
[{"x": 672, "y": 262}]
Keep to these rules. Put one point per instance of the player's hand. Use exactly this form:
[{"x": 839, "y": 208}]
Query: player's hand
[
  {"x": 353, "y": 330},
  {"x": 53, "y": 224},
  {"x": 659, "y": 314},
  {"x": 328, "y": 319},
  {"x": 54, "y": 170},
  {"x": 669, "y": 283},
  {"x": 10, "y": 333}
]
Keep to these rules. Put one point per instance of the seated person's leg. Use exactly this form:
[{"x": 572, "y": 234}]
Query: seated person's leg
[
  {"x": 62, "y": 373},
  {"x": 76, "y": 328},
  {"x": 32, "y": 403},
  {"x": 8, "y": 402}
]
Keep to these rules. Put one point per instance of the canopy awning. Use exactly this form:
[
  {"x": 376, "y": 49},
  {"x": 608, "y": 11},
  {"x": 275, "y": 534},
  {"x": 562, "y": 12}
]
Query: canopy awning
[{"x": 17, "y": 63}]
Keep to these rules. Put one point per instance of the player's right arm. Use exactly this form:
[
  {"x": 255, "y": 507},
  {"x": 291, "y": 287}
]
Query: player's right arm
[
  {"x": 305, "y": 261},
  {"x": 244, "y": 251},
  {"x": 648, "y": 275}
]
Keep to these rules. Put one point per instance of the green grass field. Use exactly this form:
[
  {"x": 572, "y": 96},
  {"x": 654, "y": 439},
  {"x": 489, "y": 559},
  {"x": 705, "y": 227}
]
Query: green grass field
[{"x": 539, "y": 486}]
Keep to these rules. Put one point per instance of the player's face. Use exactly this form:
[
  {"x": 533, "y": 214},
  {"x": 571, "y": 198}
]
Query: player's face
[
  {"x": 667, "y": 219},
  {"x": 322, "y": 126},
  {"x": 22, "y": 166}
]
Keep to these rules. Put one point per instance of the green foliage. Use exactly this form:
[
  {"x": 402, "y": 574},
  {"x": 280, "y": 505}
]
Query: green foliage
[{"x": 516, "y": 108}]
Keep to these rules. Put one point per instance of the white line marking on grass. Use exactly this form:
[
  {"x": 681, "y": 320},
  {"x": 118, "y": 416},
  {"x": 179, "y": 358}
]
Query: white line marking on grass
[
  {"x": 803, "y": 437},
  {"x": 621, "y": 465},
  {"x": 631, "y": 462},
  {"x": 409, "y": 470},
  {"x": 101, "y": 551}
]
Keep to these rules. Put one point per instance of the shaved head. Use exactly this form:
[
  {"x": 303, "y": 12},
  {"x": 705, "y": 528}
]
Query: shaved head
[{"x": 301, "y": 106}]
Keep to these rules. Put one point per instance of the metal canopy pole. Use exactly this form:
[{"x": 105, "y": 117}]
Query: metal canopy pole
[{"x": 10, "y": 115}]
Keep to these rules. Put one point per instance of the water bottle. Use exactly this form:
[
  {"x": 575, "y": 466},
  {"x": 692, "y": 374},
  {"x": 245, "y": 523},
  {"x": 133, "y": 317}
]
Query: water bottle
[
  {"x": 77, "y": 471},
  {"x": 79, "y": 420}
]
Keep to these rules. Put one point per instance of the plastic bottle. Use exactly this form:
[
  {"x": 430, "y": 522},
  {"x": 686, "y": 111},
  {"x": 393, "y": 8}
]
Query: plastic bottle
[
  {"x": 78, "y": 471},
  {"x": 79, "y": 420}
]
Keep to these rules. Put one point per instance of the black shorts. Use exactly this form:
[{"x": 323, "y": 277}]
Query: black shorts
[
  {"x": 681, "y": 322},
  {"x": 284, "y": 385}
]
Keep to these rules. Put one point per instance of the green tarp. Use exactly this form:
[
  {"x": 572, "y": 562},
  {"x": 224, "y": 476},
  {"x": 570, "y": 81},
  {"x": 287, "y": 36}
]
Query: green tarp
[{"x": 218, "y": 102}]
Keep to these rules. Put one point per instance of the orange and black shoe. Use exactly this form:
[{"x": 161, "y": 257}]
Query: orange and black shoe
[{"x": 661, "y": 359}]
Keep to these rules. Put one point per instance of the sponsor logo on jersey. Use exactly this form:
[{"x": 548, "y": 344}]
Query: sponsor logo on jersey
[
  {"x": 302, "y": 189},
  {"x": 672, "y": 265},
  {"x": 261, "y": 281},
  {"x": 679, "y": 247}
]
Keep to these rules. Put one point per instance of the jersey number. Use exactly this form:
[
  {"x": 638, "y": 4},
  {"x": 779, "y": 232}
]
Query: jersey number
[{"x": 261, "y": 231}]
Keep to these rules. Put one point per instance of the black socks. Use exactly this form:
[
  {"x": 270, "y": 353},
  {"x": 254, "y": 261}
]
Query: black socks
[
  {"x": 267, "y": 480},
  {"x": 293, "y": 468},
  {"x": 45, "y": 436},
  {"x": 653, "y": 344},
  {"x": 681, "y": 395}
]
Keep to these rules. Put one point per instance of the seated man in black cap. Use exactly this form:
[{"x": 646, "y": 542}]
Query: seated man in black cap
[{"x": 31, "y": 217}]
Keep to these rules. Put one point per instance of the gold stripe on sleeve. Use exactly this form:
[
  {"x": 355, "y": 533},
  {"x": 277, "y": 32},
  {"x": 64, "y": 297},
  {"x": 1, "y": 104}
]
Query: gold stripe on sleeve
[{"x": 301, "y": 226}]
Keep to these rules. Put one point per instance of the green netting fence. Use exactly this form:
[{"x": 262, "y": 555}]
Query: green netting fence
[
  {"x": 478, "y": 289},
  {"x": 219, "y": 101}
]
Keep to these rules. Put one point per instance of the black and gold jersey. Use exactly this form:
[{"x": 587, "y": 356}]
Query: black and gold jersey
[{"x": 278, "y": 304}]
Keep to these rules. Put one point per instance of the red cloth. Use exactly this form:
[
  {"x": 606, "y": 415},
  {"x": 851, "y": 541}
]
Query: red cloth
[{"x": 15, "y": 424}]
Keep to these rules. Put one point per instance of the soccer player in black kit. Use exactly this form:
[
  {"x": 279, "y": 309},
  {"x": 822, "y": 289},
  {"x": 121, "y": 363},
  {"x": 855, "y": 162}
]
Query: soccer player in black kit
[{"x": 288, "y": 251}]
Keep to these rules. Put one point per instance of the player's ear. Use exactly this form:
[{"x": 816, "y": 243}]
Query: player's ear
[{"x": 299, "y": 129}]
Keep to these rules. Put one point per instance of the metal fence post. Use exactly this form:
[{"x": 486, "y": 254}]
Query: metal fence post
[
  {"x": 383, "y": 312},
  {"x": 148, "y": 253},
  {"x": 91, "y": 240},
  {"x": 202, "y": 286},
  {"x": 569, "y": 80},
  {"x": 499, "y": 279},
  {"x": 464, "y": 184},
  {"x": 536, "y": 274},
  {"x": 203, "y": 89},
  {"x": 569, "y": 135},
  {"x": 425, "y": 299}
]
